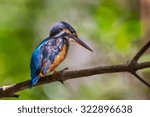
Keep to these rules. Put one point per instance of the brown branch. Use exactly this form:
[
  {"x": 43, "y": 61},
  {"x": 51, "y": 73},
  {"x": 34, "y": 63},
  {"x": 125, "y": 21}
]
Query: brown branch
[
  {"x": 141, "y": 79},
  {"x": 131, "y": 67},
  {"x": 141, "y": 52}
]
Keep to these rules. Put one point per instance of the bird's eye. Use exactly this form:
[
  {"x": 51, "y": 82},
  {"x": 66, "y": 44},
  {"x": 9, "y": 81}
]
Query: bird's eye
[
  {"x": 72, "y": 31},
  {"x": 61, "y": 29}
]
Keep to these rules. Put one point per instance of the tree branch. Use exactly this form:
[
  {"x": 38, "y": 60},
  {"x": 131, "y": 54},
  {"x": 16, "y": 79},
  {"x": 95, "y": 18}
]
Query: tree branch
[
  {"x": 141, "y": 52},
  {"x": 141, "y": 79},
  {"x": 131, "y": 67}
]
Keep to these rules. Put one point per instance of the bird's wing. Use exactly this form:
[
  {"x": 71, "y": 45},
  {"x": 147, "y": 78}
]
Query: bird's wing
[
  {"x": 43, "y": 56},
  {"x": 50, "y": 51},
  {"x": 36, "y": 59},
  {"x": 35, "y": 66},
  {"x": 36, "y": 63}
]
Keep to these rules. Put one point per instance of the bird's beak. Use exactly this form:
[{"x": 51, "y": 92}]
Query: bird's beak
[
  {"x": 79, "y": 41},
  {"x": 75, "y": 38}
]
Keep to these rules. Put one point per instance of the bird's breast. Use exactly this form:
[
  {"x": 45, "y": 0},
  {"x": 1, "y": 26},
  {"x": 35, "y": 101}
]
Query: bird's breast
[{"x": 59, "y": 58}]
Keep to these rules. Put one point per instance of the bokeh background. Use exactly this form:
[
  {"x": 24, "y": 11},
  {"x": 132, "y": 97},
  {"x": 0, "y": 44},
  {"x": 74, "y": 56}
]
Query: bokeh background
[{"x": 115, "y": 29}]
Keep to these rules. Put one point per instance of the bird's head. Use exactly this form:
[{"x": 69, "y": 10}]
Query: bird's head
[{"x": 64, "y": 29}]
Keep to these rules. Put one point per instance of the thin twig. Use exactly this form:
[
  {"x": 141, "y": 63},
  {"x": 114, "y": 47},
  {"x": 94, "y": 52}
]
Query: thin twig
[
  {"x": 141, "y": 52},
  {"x": 135, "y": 61},
  {"x": 141, "y": 79}
]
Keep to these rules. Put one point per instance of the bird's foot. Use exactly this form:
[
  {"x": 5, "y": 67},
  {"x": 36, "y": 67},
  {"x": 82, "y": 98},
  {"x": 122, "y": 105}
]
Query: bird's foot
[
  {"x": 59, "y": 73},
  {"x": 54, "y": 72},
  {"x": 61, "y": 80},
  {"x": 64, "y": 69}
]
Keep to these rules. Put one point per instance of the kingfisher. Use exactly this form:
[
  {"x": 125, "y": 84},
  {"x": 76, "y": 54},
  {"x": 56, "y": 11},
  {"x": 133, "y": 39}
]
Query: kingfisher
[{"x": 53, "y": 50}]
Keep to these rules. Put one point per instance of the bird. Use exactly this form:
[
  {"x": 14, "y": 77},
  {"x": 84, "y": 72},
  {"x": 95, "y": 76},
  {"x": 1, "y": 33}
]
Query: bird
[{"x": 53, "y": 50}]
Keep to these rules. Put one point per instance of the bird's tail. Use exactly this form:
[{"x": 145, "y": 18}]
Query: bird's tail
[{"x": 34, "y": 81}]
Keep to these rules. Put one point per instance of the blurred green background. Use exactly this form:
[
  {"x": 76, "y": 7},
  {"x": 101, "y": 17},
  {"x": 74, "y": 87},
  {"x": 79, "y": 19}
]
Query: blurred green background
[{"x": 115, "y": 29}]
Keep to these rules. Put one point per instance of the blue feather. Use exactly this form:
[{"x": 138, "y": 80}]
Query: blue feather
[
  {"x": 34, "y": 81},
  {"x": 36, "y": 63},
  {"x": 43, "y": 56}
]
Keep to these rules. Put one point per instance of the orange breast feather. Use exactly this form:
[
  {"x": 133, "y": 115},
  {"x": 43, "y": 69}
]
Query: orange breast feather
[{"x": 60, "y": 57}]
